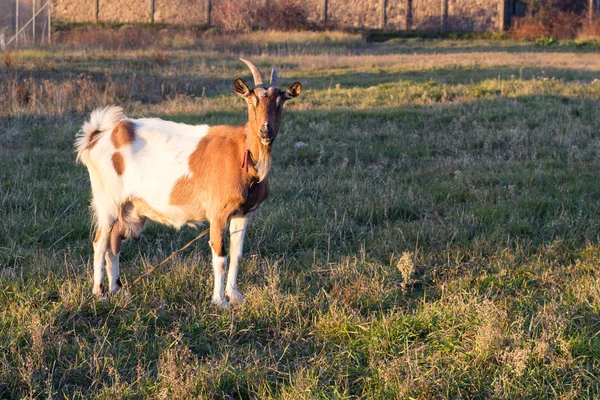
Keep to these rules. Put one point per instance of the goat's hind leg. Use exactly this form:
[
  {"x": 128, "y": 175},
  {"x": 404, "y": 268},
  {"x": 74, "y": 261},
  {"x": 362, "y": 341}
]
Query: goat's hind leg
[
  {"x": 112, "y": 259},
  {"x": 130, "y": 224},
  {"x": 101, "y": 242}
]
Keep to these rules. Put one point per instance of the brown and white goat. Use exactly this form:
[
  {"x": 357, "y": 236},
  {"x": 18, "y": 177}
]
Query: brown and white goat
[{"x": 178, "y": 174}]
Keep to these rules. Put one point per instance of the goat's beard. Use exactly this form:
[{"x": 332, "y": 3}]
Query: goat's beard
[{"x": 263, "y": 165}]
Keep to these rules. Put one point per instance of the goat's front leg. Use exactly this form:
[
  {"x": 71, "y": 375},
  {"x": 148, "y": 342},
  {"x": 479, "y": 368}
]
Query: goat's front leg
[
  {"x": 237, "y": 231},
  {"x": 219, "y": 261}
]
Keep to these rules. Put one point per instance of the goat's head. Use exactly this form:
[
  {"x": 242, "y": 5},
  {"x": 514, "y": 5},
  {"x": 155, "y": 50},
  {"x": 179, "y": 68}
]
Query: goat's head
[{"x": 265, "y": 105}]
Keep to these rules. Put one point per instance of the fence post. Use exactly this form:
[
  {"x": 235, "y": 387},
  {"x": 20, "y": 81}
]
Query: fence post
[
  {"x": 502, "y": 15},
  {"x": 97, "y": 10},
  {"x": 17, "y": 24},
  {"x": 268, "y": 8},
  {"x": 49, "y": 21},
  {"x": 408, "y": 15},
  {"x": 383, "y": 13},
  {"x": 207, "y": 11},
  {"x": 324, "y": 16},
  {"x": 444, "y": 19},
  {"x": 33, "y": 24},
  {"x": 152, "y": 8}
]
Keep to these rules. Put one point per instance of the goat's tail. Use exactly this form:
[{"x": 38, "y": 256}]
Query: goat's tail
[{"x": 101, "y": 120}]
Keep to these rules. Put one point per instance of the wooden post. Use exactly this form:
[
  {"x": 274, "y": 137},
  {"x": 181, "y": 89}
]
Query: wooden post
[
  {"x": 17, "y": 24},
  {"x": 49, "y": 21},
  {"x": 97, "y": 11},
  {"x": 268, "y": 8},
  {"x": 502, "y": 15},
  {"x": 444, "y": 19},
  {"x": 324, "y": 16},
  {"x": 383, "y": 14},
  {"x": 207, "y": 11},
  {"x": 591, "y": 10},
  {"x": 33, "y": 21},
  {"x": 152, "y": 11},
  {"x": 408, "y": 15}
]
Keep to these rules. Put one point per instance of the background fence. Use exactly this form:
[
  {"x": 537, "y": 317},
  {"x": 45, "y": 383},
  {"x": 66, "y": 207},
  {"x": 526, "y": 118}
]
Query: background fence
[
  {"x": 449, "y": 15},
  {"x": 409, "y": 15},
  {"x": 31, "y": 18}
]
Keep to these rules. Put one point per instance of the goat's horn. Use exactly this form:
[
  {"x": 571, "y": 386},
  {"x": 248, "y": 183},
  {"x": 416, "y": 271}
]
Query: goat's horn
[
  {"x": 274, "y": 76},
  {"x": 258, "y": 82}
]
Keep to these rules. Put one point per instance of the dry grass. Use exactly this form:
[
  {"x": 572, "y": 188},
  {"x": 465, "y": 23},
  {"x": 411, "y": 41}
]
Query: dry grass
[
  {"x": 438, "y": 237},
  {"x": 590, "y": 30}
]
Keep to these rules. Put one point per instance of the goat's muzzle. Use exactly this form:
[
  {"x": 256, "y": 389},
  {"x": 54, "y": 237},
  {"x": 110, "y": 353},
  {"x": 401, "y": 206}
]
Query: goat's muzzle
[{"x": 266, "y": 134}]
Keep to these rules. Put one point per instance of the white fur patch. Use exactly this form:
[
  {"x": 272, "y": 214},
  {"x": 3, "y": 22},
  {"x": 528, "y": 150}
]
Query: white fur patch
[{"x": 219, "y": 263}]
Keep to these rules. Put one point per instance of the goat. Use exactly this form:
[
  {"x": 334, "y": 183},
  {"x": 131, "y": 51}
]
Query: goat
[{"x": 178, "y": 174}]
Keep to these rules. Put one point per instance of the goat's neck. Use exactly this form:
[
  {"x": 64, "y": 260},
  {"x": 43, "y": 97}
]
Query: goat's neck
[{"x": 260, "y": 154}]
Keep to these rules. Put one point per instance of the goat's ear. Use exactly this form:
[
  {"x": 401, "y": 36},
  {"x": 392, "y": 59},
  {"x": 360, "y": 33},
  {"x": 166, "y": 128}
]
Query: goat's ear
[
  {"x": 241, "y": 88},
  {"x": 293, "y": 91}
]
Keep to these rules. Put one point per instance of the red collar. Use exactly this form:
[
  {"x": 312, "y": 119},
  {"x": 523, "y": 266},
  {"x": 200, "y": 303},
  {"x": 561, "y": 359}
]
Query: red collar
[{"x": 245, "y": 159}]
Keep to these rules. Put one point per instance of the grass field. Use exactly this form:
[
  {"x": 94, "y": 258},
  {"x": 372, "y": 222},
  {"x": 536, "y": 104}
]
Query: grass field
[{"x": 438, "y": 237}]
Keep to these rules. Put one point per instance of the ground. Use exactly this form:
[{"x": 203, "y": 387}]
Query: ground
[{"x": 437, "y": 238}]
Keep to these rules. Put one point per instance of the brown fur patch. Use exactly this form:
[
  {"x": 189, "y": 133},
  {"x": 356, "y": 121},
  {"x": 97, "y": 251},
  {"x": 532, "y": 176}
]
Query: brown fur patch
[
  {"x": 218, "y": 225},
  {"x": 258, "y": 193},
  {"x": 182, "y": 192},
  {"x": 118, "y": 163},
  {"x": 123, "y": 134},
  {"x": 116, "y": 239},
  {"x": 217, "y": 182},
  {"x": 98, "y": 235},
  {"x": 132, "y": 223},
  {"x": 217, "y": 185}
]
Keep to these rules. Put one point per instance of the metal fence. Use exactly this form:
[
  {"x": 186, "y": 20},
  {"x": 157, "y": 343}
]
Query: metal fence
[{"x": 25, "y": 22}]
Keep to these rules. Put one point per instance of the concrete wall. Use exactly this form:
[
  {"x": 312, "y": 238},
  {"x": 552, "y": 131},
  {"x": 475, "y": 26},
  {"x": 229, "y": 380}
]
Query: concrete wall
[
  {"x": 420, "y": 15},
  {"x": 180, "y": 12},
  {"x": 474, "y": 15},
  {"x": 361, "y": 13},
  {"x": 397, "y": 15},
  {"x": 427, "y": 15},
  {"x": 125, "y": 11},
  {"x": 74, "y": 10}
]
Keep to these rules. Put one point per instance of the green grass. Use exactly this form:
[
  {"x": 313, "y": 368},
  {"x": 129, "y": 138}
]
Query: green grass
[{"x": 438, "y": 238}]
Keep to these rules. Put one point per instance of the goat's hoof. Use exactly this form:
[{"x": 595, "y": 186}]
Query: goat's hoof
[
  {"x": 235, "y": 297},
  {"x": 116, "y": 288},
  {"x": 101, "y": 297},
  {"x": 222, "y": 303},
  {"x": 121, "y": 293},
  {"x": 99, "y": 293}
]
